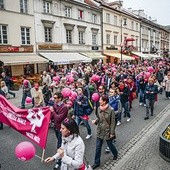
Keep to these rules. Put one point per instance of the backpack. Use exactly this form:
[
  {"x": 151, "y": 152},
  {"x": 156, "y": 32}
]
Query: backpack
[{"x": 90, "y": 107}]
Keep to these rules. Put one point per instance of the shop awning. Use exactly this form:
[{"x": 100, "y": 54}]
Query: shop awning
[
  {"x": 140, "y": 54},
  {"x": 154, "y": 56},
  {"x": 21, "y": 58},
  {"x": 66, "y": 58},
  {"x": 94, "y": 55},
  {"x": 118, "y": 55}
]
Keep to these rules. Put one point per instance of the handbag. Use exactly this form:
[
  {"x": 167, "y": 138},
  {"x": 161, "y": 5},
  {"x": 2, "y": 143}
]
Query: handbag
[
  {"x": 85, "y": 165},
  {"x": 134, "y": 96}
]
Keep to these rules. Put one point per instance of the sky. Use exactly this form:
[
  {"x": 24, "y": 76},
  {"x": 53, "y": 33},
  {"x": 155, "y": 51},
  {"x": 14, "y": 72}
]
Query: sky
[{"x": 157, "y": 9}]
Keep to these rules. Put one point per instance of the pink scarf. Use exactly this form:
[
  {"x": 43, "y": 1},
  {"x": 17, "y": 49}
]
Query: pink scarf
[{"x": 104, "y": 107}]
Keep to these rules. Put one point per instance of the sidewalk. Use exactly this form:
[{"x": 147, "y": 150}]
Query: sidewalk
[{"x": 142, "y": 151}]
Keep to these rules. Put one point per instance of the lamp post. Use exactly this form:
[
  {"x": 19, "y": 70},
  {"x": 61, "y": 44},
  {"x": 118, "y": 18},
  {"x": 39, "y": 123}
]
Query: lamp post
[{"x": 124, "y": 24}]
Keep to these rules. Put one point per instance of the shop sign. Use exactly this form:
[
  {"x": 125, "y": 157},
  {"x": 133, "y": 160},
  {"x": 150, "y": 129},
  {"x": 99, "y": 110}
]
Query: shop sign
[
  {"x": 50, "y": 46},
  {"x": 95, "y": 48},
  {"x": 15, "y": 49}
]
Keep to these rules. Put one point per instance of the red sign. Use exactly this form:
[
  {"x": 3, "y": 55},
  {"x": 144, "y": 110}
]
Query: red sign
[
  {"x": 32, "y": 123},
  {"x": 15, "y": 49}
]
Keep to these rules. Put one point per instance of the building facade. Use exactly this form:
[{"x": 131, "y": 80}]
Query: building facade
[
  {"x": 17, "y": 38},
  {"x": 67, "y": 28}
]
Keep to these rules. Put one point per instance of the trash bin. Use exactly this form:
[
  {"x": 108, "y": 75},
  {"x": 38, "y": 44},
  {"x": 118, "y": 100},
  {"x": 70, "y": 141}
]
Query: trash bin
[{"x": 164, "y": 144}]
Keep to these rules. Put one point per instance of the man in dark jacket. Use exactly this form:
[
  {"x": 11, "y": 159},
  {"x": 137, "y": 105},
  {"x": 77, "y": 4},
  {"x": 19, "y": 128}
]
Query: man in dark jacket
[
  {"x": 59, "y": 113},
  {"x": 150, "y": 92},
  {"x": 124, "y": 98}
]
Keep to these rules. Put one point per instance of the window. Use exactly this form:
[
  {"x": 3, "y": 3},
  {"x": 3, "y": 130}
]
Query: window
[
  {"x": 69, "y": 36},
  {"x": 67, "y": 11},
  {"x": 25, "y": 35},
  {"x": 24, "y": 6},
  {"x": 48, "y": 34},
  {"x": 94, "y": 39},
  {"x": 115, "y": 39},
  {"x": 137, "y": 27},
  {"x": 80, "y": 14},
  {"x": 81, "y": 37},
  {"x": 47, "y": 7},
  {"x": 115, "y": 20},
  {"x": 132, "y": 25},
  {"x": 1, "y": 4},
  {"x": 136, "y": 42},
  {"x": 107, "y": 38},
  {"x": 94, "y": 18},
  {"x": 107, "y": 18},
  {"x": 3, "y": 34}
]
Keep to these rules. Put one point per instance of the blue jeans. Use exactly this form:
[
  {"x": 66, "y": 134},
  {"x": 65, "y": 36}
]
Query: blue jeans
[
  {"x": 126, "y": 109},
  {"x": 59, "y": 137},
  {"x": 24, "y": 96},
  {"x": 149, "y": 105},
  {"x": 142, "y": 97},
  {"x": 86, "y": 123},
  {"x": 99, "y": 143}
]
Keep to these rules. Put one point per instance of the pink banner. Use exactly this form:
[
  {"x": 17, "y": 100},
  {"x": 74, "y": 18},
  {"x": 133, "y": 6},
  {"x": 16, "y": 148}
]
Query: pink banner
[{"x": 32, "y": 123}]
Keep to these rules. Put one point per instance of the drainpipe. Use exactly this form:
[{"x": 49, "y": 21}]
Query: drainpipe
[{"x": 102, "y": 30}]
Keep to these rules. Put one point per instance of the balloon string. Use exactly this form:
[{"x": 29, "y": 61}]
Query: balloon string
[{"x": 39, "y": 157}]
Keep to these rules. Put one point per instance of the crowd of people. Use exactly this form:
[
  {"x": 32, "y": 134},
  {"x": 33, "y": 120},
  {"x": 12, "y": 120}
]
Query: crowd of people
[{"x": 116, "y": 87}]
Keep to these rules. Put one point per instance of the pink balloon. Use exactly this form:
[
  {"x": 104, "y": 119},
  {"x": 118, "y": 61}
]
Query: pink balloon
[
  {"x": 160, "y": 63},
  {"x": 73, "y": 95},
  {"x": 25, "y": 83},
  {"x": 56, "y": 78},
  {"x": 95, "y": 77},
  {"x": 95, "y": 97},
  {"x": 66, "y": 92},
  {"x": 145, "y": 62},
  {"x": 28, "y": 99},
  {"x": 71, "y": 79},
  {"x": 114, "y": 69},
  {"x": 25, "y": 151},
  {"x": 150, "y": 69},
  {"x": 147, "y": 74}
]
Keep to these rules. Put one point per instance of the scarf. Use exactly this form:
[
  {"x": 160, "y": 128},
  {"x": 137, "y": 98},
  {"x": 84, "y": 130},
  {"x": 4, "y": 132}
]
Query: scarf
[{"x": 104, "y": 107}]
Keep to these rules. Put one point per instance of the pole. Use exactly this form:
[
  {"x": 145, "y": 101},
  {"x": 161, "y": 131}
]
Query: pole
[
  {"x": 43, "y": 153},
  {"x": 121, "y": 42}
]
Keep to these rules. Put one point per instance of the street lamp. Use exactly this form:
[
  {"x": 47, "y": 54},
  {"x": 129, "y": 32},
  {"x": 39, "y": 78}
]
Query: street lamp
[{"x": 124, "y": 24}]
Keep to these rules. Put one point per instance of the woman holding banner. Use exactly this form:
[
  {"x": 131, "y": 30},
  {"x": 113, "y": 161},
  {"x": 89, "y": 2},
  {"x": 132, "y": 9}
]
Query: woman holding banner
[{"x": 72, "y": 149}]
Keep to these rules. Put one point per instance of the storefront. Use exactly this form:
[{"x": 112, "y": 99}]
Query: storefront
[
  {"x": 17, "y": 64},
  {"x": 95, "y": 56},
  {"x": 63, "y": 58},
  {"x": 115, "y": 57}
]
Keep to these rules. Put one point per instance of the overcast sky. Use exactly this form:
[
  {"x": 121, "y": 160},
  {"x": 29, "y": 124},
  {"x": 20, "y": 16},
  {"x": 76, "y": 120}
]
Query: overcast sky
[{"x": 157, "y": 9}]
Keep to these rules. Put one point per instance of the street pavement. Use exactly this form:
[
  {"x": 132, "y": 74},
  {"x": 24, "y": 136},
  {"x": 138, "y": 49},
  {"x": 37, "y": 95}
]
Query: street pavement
[{"x": 137, "y": 142}]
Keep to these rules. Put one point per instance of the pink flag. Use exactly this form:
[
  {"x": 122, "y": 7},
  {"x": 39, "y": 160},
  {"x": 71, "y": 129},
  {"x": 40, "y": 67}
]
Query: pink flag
[{"x": 32, "y": 123}]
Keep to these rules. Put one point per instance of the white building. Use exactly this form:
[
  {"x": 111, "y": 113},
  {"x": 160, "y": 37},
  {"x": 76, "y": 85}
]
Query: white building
[
  {"x": 68, "y": 30},
  {"x": 17, "y": 37}
]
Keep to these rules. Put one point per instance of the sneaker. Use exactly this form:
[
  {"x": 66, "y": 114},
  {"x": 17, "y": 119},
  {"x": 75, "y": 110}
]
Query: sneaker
[
  {"x": 118, "y": 123},
  {"x": 128, "y": 119},
  {"x": 144, "y": 105},
  {"x": 95, "y": 166},
  {"x": 115, "y": 157},
  {"x": 146, "y": 118},
  {"x": 56, "y": 167},
  {"x": 107, "y": 150},
  {"x": 88, "y": 136},
  {"x": 140, "y": 104}
]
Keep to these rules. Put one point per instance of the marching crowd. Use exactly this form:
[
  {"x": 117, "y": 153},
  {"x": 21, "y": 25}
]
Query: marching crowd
[{"x": 107, "y": 90}]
